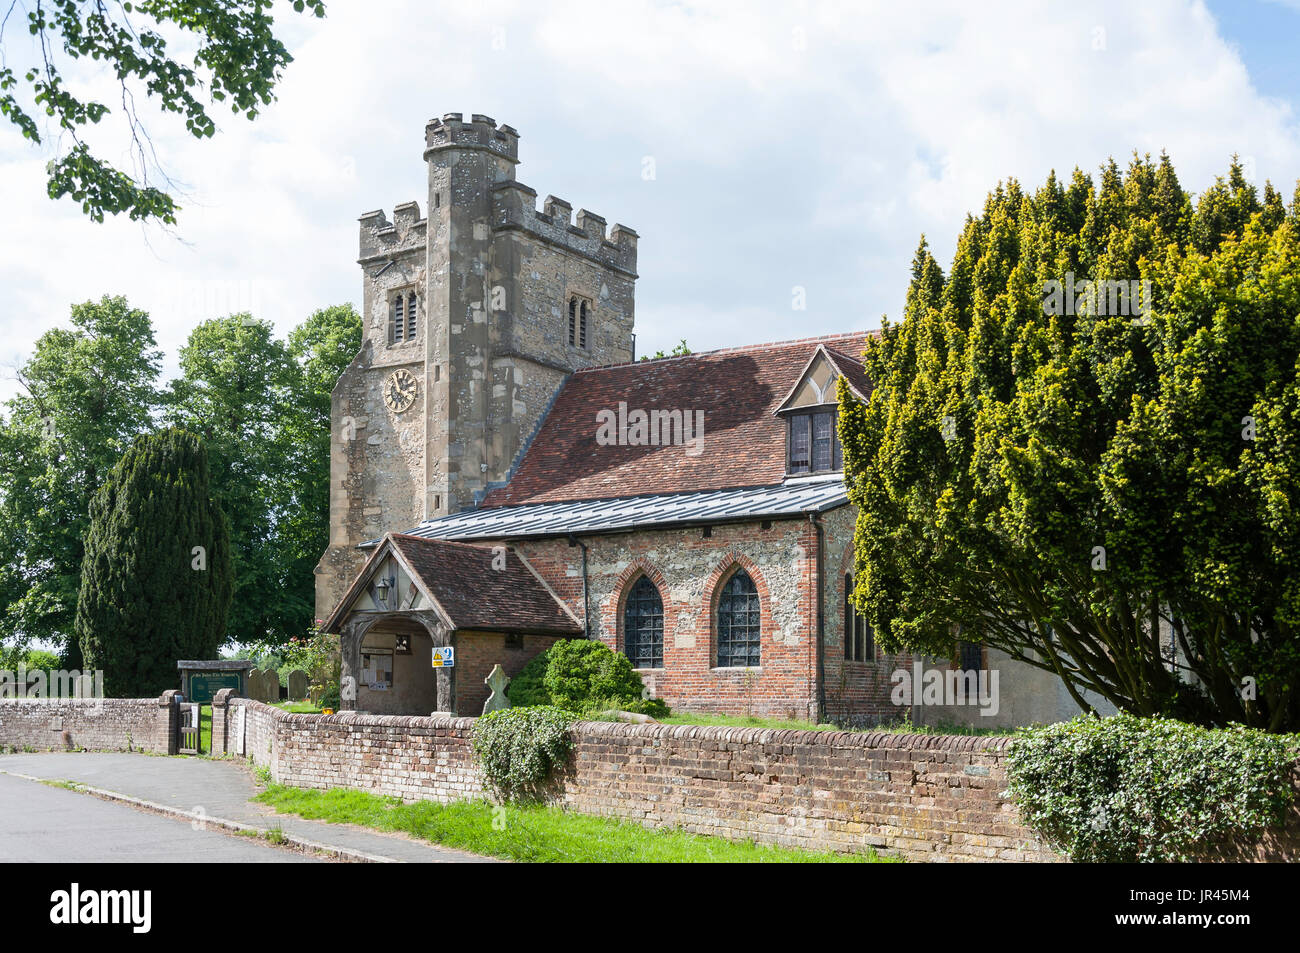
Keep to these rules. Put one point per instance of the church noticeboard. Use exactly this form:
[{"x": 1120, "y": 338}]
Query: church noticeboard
[
  {"x": 201, "y": 679},
  {"x": 205, "y": 685}
]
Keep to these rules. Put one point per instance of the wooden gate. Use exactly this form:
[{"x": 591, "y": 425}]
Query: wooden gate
[{"x": 190, "y": 727}]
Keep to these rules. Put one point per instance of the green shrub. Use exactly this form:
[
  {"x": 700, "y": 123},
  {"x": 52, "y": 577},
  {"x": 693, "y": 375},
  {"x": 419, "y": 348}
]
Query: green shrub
[
  {"x": 330, "y": 697},
  {"x": 583, "y": 671},
  {"x": 526, "y": 688},
  {"x": 520, "y": 747},
  {"x": 42, "y": 660},
  {"x": 653, "y": 707},
  {"x": 1148, "y": 789},
  {"x": 583, "y": 675}
]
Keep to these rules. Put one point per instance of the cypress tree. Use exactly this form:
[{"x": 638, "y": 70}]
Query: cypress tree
[{"x": 156, "y": 577}]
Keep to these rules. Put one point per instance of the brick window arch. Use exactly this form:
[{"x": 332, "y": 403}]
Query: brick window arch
[
  {"x": 739, "y": 617},
  {"x": 643, "y": 624}
]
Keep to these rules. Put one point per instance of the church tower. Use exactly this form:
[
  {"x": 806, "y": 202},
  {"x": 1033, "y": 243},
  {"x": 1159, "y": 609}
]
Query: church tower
[{"x": 472, "y": 318}]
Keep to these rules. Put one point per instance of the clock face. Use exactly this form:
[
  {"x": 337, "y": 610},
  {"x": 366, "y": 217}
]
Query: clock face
[{"x": 400, "y": 390}]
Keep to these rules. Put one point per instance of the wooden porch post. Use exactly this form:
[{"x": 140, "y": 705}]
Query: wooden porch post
[
  {"x": 443, "y": 637},
  {"x": 350, "y": 638}
]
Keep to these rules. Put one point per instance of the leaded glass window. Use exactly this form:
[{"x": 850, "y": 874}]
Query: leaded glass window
[
  {"x": 814, "y": 444},
  {"x": 859, "y": 640},
  {"x": 643, "y": 625},
  {"x": 738, "y": 622}
]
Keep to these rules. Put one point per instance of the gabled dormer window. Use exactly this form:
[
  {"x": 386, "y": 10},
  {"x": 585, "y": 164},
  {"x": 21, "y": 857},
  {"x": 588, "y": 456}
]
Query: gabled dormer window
[
  {"x": 809, "y": 411},
  {"x": 814, "y": 446}
]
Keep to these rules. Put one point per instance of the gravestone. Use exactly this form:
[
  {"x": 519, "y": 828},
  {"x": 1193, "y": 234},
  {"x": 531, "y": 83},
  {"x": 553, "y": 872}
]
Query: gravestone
[
  {"x": 262, "y": 681},
  {"x": 297, "y": 685},
  {"x": 271, "y": 686},
  {"x": 496, "y": 681}
]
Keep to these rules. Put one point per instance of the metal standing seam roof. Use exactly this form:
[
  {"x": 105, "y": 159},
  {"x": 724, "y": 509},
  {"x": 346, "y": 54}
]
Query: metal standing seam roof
[{"x": 635, "y": 512}]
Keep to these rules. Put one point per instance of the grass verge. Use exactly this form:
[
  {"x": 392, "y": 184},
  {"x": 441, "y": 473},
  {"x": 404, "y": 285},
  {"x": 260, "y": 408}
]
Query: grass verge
[
  {"x": 532, "y": 833},
  {"x": 300, "y": 708}
]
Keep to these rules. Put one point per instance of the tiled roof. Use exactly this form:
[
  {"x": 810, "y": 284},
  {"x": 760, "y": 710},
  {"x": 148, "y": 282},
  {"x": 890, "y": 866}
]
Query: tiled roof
[
  {"x": 594, "y": 516},
  {"x": 849, "y": 363},
  {"x": 471, "y": 593},
  {"x": 736, "y": 389}
]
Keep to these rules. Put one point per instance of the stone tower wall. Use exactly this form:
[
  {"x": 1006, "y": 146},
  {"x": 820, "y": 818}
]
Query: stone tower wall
[{"x": 493, "y": 275}]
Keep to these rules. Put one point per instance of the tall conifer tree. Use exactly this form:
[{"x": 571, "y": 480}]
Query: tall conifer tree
[{"x": 156, "y": 578}]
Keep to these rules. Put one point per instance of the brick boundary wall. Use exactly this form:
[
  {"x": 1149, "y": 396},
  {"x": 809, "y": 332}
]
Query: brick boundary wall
[
  {"x": 109, "y": 724},
  {"x": 923, "y": 797},
  {"x": 920, "y": 797}
]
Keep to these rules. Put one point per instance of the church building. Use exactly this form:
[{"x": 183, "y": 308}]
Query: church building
[{"x": 505, "y": 473}]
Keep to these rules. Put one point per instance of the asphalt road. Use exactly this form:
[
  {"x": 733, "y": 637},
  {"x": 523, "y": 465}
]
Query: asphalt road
[
  {"x": 39, "y": 823},
  {"x": 216, "y": 788}
]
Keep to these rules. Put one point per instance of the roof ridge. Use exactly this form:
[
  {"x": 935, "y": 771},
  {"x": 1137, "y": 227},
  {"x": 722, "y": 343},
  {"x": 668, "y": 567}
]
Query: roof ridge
[
  {"x": 430, "y": 539},
  {"x": 736, "y": 349}
]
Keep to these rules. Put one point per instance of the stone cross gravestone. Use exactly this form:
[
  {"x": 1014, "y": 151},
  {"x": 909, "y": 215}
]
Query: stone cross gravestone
[
  {"x": 497, "y": 681},
  {"x": 297, "y": 685}
]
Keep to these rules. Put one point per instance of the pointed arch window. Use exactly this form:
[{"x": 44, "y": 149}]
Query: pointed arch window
[
  {"x": 738, "y": 622},
  {"x": 643, "y": 625},
  {"x": 859, "y": 641}
]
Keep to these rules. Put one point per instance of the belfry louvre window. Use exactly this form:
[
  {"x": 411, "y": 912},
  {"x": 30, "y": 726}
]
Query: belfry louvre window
[
  {"x": 738, "y": 622},
  {"x": 814, "y": 444},
  {"x": 643, "y": 625},
  {"x": 859, "y": 641},
  {"x": 402, "y": 319},
  {"x": 578, "y": 308}
]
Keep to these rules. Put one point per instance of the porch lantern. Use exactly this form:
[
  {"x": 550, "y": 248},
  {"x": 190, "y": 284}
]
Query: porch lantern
[{"x": 381, "y": 590}]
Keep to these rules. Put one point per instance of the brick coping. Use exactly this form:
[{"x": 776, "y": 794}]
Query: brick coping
[{"x": 720, "y": 733}]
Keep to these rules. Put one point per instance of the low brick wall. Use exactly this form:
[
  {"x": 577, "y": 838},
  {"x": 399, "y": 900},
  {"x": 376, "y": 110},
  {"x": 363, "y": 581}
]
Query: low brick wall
[
  {"x": 109, "y": 724},
  {"x": 924, "y": 797}
]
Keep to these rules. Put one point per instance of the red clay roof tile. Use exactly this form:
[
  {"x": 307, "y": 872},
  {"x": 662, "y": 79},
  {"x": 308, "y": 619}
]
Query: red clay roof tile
[{"x": 737, "y": 390}]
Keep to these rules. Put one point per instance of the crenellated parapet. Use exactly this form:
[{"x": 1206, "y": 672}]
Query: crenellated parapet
[
  {"x": 481, "y": 132},
  {"x": 514, "y": 207},
  {"x": 405, "y": 233}
]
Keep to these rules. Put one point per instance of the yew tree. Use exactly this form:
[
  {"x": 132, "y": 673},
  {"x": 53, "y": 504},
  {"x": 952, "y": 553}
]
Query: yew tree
[
  {"x": 156, "y": 577},
  {"x": 1101, "y": 484}
]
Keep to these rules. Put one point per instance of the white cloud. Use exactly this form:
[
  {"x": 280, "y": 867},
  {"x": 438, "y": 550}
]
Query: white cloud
[{"x": 801, "y": 145}]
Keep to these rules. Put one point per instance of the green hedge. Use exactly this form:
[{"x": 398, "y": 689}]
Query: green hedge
[
  {"x": 1148, "y": 789},
  {"x": 527, "y": 689}
]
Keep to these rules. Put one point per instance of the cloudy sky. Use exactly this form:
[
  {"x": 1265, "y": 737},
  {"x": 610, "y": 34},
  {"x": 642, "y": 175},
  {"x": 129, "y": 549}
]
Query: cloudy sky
[{"x": 793, "y": 145}]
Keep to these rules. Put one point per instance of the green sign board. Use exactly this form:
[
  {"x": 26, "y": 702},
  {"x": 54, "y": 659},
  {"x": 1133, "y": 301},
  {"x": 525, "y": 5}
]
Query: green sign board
[{"x": 205, "y": 685}]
